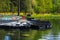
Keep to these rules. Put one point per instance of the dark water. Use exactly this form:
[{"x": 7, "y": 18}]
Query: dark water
[{"x": 48, "y": 34}]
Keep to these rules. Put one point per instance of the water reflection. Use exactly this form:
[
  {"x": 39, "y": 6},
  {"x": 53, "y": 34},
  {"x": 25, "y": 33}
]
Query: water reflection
[
  {"x": 51, "y": 37},
  {"x": 7, "y": 37},
  {"x": 9, "y": 34},
  {"x": 49, "y": 34},
  {"x": 54, "y": 33}
]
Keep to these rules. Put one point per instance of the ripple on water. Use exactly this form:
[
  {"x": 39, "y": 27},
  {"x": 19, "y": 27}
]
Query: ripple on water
[{"x": 50, "y": 37}]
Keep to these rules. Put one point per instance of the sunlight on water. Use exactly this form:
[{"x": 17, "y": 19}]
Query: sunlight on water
[
  {"x": 50, "y": 37},
  {"x": 42, "y": 39}
]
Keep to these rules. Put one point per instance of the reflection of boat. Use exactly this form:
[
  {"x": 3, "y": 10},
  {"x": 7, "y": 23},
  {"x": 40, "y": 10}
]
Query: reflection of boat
[
  {"x": 7, "y": 37},
  {"x": 21, "y": 23}
]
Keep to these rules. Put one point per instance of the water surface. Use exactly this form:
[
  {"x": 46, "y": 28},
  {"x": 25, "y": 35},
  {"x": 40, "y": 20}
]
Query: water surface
[{"x": 48, "y": 34}]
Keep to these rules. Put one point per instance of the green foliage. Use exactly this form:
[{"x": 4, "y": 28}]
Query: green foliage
[
  {"x": 37, "y": 6},
  {"x": 25, "y": 5},
  {"x": 4, "y": 6}
]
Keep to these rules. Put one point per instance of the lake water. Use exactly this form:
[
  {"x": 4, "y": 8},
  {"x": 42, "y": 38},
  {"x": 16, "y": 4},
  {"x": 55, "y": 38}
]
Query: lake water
[{"x": 48, "y": 34}]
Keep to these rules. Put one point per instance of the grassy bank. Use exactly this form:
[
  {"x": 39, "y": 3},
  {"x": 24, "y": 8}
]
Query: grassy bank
[
  {"x": 37, "y": 16},
  {"x": 46, "y": 16}
]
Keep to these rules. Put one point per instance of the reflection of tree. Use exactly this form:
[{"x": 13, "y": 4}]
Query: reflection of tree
[
  {"x": 56, "y": 26},
  {"x": 55, "y": 29},
  {"x": 40, "y": 34},
  {"x": 27, "y": 35}
]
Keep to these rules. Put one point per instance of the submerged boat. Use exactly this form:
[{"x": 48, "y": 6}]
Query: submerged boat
[{"x": 17, "y": 22}]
